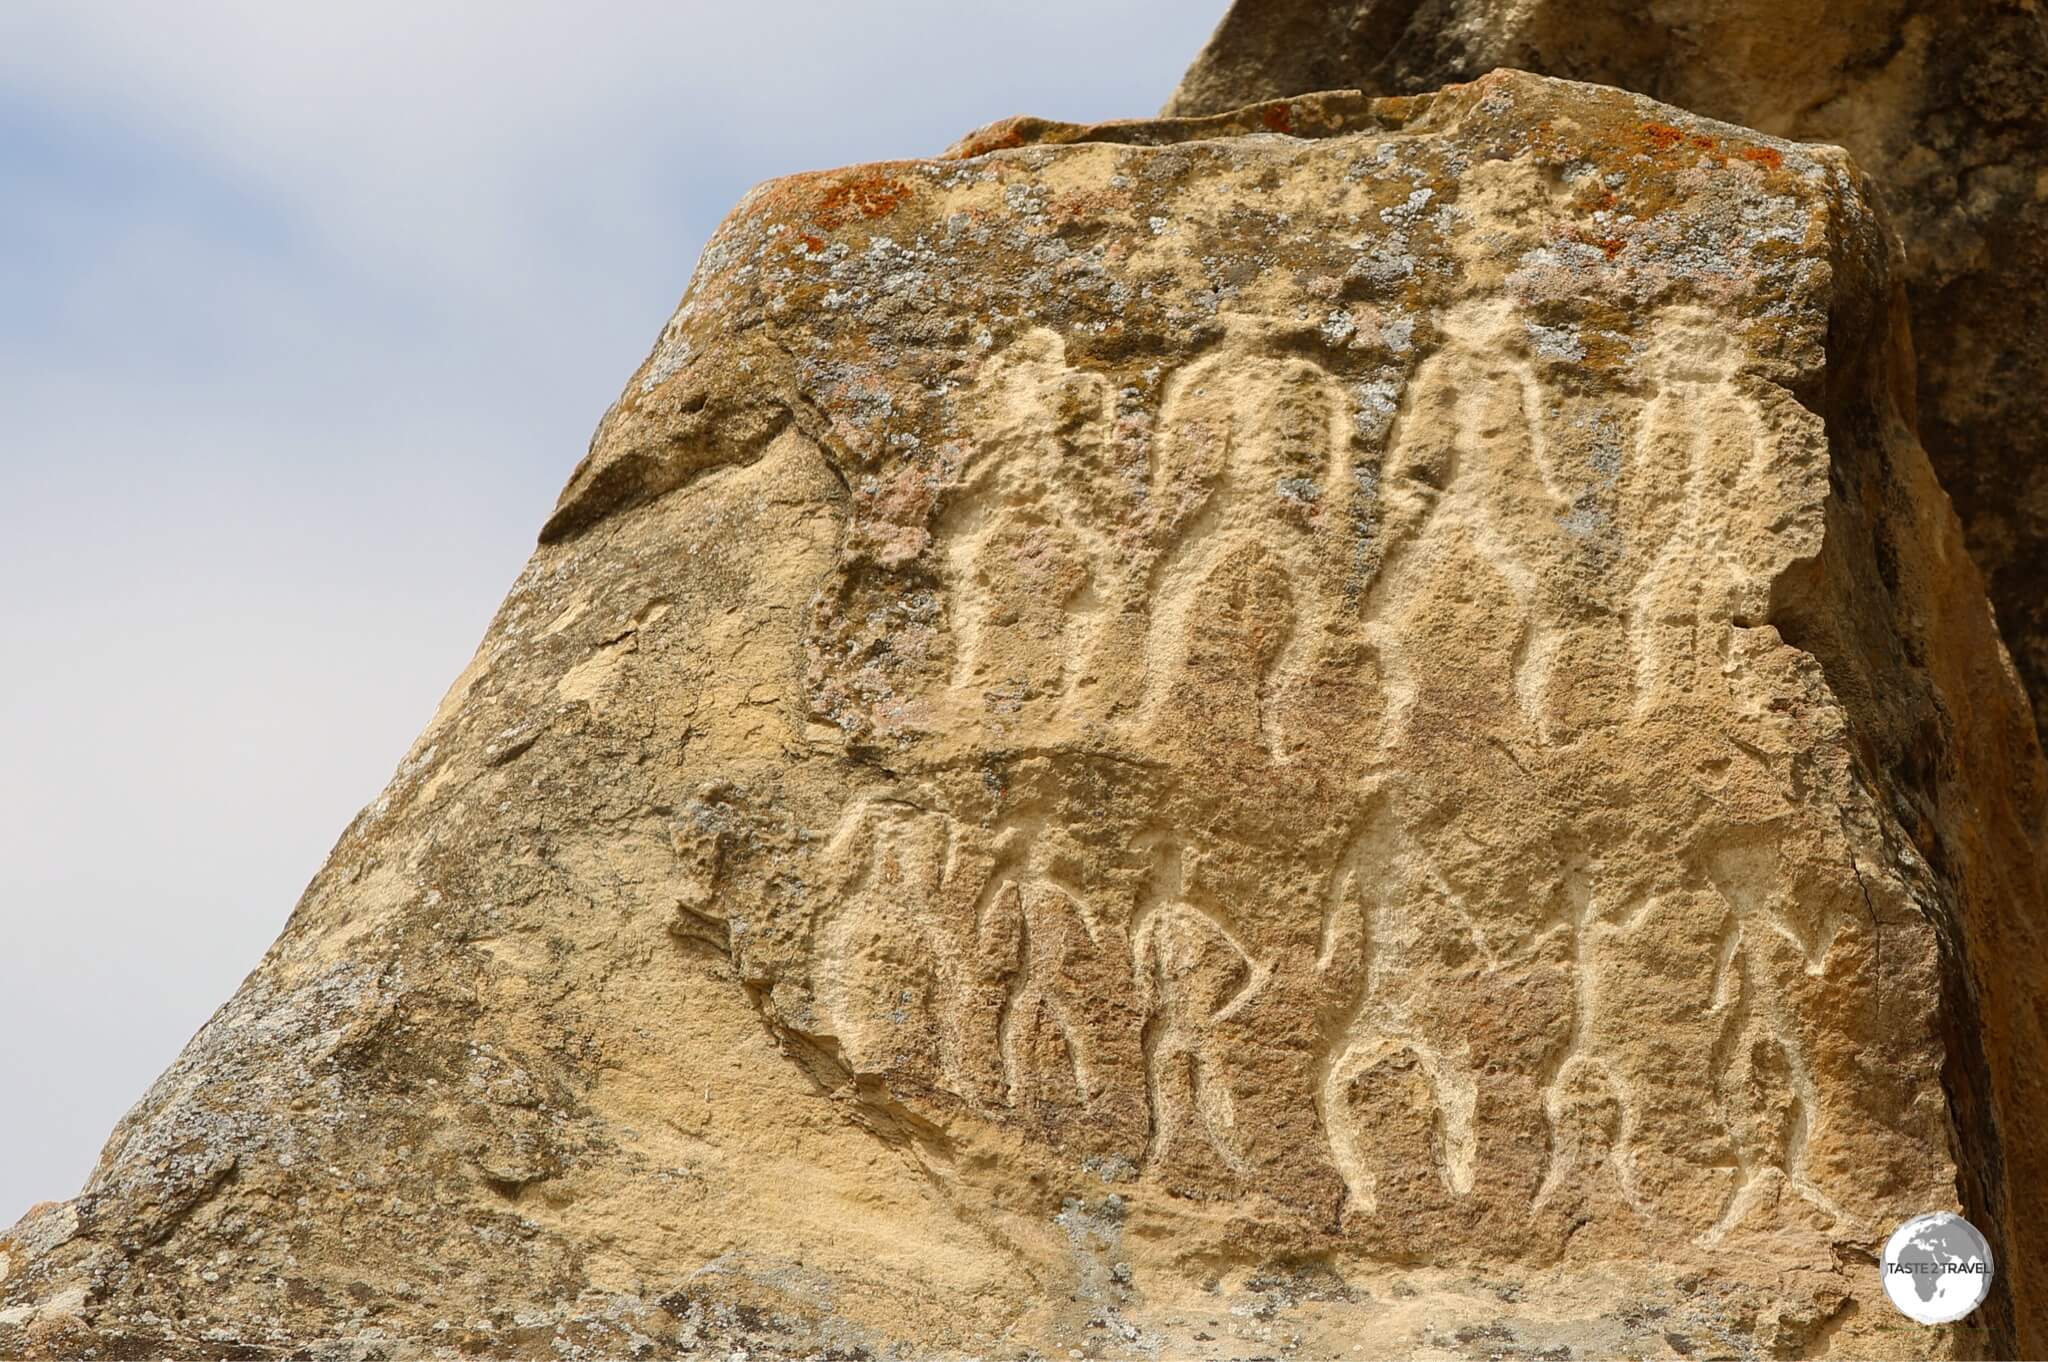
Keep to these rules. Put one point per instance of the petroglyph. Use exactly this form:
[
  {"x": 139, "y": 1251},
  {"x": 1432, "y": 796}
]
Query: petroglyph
[
  {"x": 1031, "y": 567},
  {"x": 1224, "y": 561},
  {"x": 1220, "y": 586},
  {"x": 1193, "y": 974},
  {"x": 883, "y": 980},
  {"x": 1587, "y": 1096},
  {"x": 965, "y": 960},
  {"x": 1697, "y": 474},
  {"x": 1364, "y": 687},
  {"x": 1372, "y": 942},
  {"x": 1049, "y": 945},
  {"x": 1470, "y": 464},
  {"x": 1079, "y": 594},
  {"x": 1251, "y": 481},
  {"x": 1769, "y": 1101}
]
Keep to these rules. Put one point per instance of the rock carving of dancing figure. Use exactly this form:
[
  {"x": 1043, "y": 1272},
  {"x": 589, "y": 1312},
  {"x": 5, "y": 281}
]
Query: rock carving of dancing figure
[
  {"x": 1194, "y": 974},
  {"x": 1380, "y": 915},
  {"x": 1031, "y": 565},
  {"x": 1469, "y": 482},
  {"x": 1251, "y": 488}
]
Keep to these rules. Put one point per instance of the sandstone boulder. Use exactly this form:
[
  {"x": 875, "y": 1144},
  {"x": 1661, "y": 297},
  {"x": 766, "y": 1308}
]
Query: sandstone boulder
[
  {"x": 1352, "y": 725},
  {"x": 1943, "y": 102}
]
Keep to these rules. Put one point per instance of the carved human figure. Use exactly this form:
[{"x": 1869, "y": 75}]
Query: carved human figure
[
  {"x": 1193, "y": 975},
  {"x": 1697, "y": 1015},
  {"x": 1701, "y": 452},
  {"x": 1384, "y": 913},
  {"x": 1025, "y": 541},
  {"x": 973, "y": 962},
  {"x": 1588, "y": 1103},
  {"x": 1044, "y": 1048},
  {"x": 1769, "y": 1101},
  {"x": 1472, "y": 502},
  {"x": 1251, "y": 487},
  {"x": 883, "y": 980}
]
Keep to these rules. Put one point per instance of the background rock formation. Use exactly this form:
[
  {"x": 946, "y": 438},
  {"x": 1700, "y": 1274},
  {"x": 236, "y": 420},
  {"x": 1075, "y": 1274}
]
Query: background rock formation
[
  {"x": 1353, "y": 724},
  {"x": 1944, "y": 102}
]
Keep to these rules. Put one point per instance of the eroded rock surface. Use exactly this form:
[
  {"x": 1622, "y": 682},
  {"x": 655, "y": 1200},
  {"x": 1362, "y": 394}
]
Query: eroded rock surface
[
  {"x": 1352, "y": 725},
  {"x": 1944, "y": 102}
]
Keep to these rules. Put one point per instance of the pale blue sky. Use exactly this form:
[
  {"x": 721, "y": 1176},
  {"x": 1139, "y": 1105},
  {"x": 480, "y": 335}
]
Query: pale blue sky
[{"x": 306, "y": 311}]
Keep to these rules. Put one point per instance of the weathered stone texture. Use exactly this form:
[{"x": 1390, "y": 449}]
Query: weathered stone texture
[
  {"x": 1943, "y": 102},
  {"x": 1356, "y": 725}
]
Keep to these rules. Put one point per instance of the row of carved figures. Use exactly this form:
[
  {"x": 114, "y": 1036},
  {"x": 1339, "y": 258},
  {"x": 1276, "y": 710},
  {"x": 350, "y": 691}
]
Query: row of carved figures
[
  {"x": 995, "y": 968},
  {"x": 1285, "y": 522}
]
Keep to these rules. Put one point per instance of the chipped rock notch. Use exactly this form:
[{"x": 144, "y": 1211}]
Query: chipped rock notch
[{"x": 1353, "y": 723}]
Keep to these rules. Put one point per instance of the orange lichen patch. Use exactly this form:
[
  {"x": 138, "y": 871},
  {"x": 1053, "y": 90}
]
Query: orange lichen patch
[
  {"x": 862, "y": 198},
  {"x": 1277, "y": 117},
  {"x": 790, "y": 199},
  {"x": 1768, "y": 157},
  {"x": 1662, "y": 136},
  {"x": 1085, "y": 205},
  {"x": 1594, "y": 197},
  {"x": 1010, "y": 132},
  {"x": 1609, "y": 245}
]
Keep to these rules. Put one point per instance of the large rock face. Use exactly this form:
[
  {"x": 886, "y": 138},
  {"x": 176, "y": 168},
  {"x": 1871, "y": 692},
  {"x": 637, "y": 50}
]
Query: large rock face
[
  {"x": 1945, "y": 102},
  {"x": 1352, "y": 725}
]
